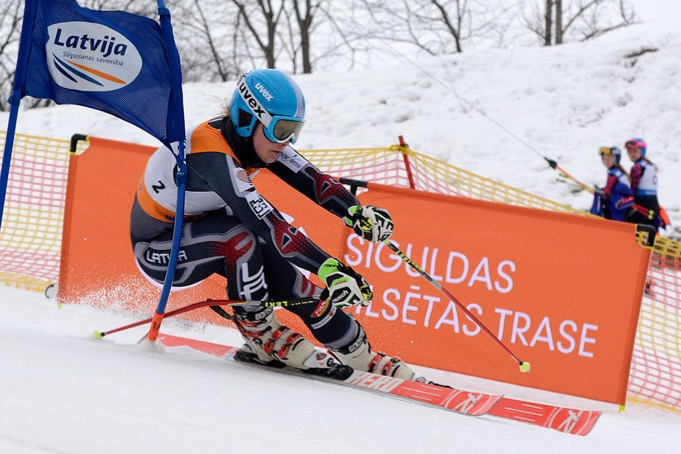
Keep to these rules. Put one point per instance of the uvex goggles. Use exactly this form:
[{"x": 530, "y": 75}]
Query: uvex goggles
[
  {"x": 604, "y": 151},
  {"x": 283, "y": 129},
  {"x": 634, "y": 144}
]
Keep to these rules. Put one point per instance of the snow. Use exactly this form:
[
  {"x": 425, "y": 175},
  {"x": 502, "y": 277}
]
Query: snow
[
  {"x": 495, "y": 113},
  {"x": 62, "y": 391}
]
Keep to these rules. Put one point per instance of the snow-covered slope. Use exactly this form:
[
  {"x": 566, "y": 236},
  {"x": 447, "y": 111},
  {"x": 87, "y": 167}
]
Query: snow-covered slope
[{"x": 61, "y": 391}]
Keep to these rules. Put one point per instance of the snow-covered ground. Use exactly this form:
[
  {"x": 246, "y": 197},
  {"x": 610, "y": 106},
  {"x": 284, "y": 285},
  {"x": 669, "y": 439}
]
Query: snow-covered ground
[
  {"x": 62, "y": 391},
  {"x": 495, "y": 113}
]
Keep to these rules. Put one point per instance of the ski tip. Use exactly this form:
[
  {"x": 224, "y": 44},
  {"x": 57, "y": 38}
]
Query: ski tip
[{"x": 524, "y": 367}]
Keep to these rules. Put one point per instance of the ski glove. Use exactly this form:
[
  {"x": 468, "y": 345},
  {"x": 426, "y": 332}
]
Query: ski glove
[
  {"x": 344, "y": 287},
  {"x": 369, "y": 222}
]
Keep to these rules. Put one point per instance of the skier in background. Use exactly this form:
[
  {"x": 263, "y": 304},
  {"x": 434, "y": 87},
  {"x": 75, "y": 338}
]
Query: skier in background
[
  {"x": 616, "y": 197},
  {"x": 230, "y": 229},
  {"x": 643, "y": 185}
]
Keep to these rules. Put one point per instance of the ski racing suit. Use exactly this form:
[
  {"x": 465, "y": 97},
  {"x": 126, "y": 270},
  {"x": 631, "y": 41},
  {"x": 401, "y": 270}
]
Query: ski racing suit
[
  {"x": 644, "y": 186},
  {"x": 230, "y": 229},
  {"x": 617, "y": 194}
]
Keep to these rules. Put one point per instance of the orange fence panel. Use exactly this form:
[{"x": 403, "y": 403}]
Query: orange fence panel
[{"x": 542, "y": 281}]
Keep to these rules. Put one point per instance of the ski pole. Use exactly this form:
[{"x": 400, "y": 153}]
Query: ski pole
[
  {"x": 574, "y": 187},
  {"x": 524, "y": 365},
  {"x": 554, "y": 165},
  {"x": 193, "y": 306}
]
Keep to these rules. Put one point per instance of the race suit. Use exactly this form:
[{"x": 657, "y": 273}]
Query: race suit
[
  {"x": 232, "y": 230},
  {"x": 644, "y": 186}
]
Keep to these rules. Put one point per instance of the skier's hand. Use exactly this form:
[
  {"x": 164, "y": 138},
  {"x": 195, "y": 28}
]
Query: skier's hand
[
  {"x": 344, "y": 287},
  {"x": 369, "y": 222}
]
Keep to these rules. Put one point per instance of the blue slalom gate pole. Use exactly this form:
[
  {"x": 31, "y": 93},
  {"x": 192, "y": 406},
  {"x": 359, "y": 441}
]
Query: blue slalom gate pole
[
  {"x": 176, "y": 135},
  {"x": 15, "y": 98}
]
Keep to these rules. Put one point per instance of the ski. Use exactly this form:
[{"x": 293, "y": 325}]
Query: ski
[
  {"x": 562, "y": 419},
  {"x": 442, "y": 397}
]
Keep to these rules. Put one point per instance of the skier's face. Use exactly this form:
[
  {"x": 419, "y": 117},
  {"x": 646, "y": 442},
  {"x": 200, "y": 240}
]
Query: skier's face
[
  {"x": 634, "y": 153},
  {"x": 608, "y": 160},
  {"x": 266, "y": 150}
]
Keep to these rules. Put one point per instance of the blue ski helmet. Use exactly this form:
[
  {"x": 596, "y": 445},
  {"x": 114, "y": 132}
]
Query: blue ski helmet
[
  {"x": 637, "y": 142},
  {"x": 271, "y": 97}
]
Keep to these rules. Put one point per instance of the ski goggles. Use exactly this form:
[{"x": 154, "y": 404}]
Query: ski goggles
[
  {"x": 634, "y": 144},
  {"x": 605, "y": 151},
  {"x": 283, "y": 129}
]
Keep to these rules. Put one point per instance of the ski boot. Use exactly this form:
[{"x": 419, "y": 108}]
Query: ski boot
[
  {"x": 272, "y": 344},
  {"x": 359, "y": 356}
]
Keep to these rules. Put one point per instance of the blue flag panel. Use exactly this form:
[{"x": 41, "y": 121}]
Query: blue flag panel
[{"x": 112, "y": 61}]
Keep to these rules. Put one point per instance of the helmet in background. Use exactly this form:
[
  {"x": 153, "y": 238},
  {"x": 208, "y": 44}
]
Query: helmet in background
[
  {"x": 616, "y": 152},
  {"x": 637, "y": 142},
  {"x": 271, "y": 97}
]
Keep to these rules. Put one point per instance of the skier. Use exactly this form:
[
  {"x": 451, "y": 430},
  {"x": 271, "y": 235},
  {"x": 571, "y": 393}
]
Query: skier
[
  {"x": 230, "y": 229},
  {"x": 616, "y": 196},
  {"x": 643, "y": 185}
]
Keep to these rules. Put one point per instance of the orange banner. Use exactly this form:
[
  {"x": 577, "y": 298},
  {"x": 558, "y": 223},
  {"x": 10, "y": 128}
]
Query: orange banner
[{"x": 560, "y": 291}]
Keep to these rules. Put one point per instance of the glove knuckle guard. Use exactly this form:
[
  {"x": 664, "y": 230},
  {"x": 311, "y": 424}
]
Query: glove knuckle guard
[
  {"x": 344, "y": 286},
  {"x": 370, "y": 223}
]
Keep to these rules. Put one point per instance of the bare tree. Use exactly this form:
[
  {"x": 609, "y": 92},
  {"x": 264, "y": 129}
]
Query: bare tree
[
  {"x": 219, "y": 39},
  {"x": 262, "y": 13},
  {"x": 204, "y": 36},
  {"x": 10, "y": 29},
  {"x": 206, "y": 31},
  {"x": 413, "y": 23},
  {"x": 452, "y": 23},
  {"x": 548, "y": 22},
  {"x": 304, "y": 18},
  {"x": 579, "y": 20},
  {"x": 560, "y": 28},
  {"x": 621, "y": 10},
  {"x": 437, "y": 26},
  {"x": 298, "y": 24},
  {"x": 343, "y": 35}
]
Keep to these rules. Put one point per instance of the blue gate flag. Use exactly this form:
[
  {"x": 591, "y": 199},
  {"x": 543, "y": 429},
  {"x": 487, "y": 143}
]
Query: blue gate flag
[{"x": 113, "y": 61}]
